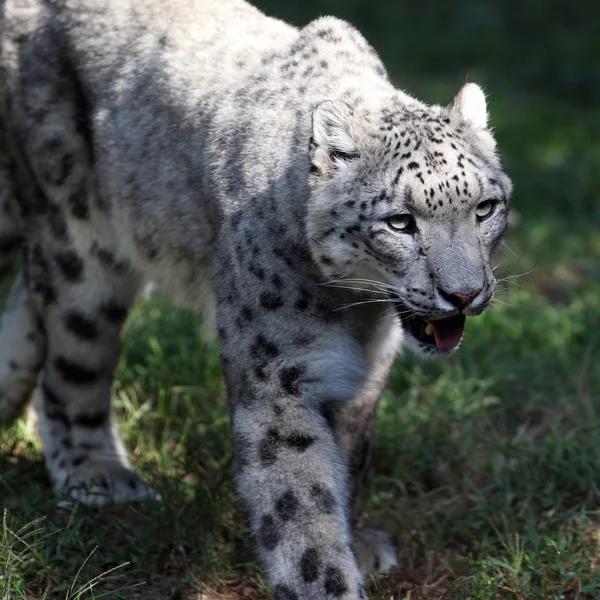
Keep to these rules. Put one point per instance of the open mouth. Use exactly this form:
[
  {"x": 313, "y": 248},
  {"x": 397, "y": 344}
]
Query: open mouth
[{"x": 444, "y": 334}]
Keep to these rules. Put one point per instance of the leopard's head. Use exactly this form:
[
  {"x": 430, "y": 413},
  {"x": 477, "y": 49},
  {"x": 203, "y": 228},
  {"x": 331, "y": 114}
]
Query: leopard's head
[{"x": 409, "y": 202}]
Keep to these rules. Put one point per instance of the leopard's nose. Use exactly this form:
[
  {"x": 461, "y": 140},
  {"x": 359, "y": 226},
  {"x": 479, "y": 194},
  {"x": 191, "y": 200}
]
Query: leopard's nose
[{"x": 460, "y": 300}]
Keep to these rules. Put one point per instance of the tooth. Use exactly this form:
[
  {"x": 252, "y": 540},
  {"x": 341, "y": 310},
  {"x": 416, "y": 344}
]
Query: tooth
[{"x": 428, "y": 329}]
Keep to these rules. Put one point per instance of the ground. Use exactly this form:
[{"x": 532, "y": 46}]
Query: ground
[{"x": 486, "y": 466}]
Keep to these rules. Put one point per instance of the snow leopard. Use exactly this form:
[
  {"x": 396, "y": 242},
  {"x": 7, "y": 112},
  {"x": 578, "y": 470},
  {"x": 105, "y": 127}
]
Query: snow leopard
[{"x": 271, "y": 174}]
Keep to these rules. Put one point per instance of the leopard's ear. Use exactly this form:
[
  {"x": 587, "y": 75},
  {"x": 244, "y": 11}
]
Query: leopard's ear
[
  {"x": 470, "y": 107},
  {"x": 332, "y": 141}
]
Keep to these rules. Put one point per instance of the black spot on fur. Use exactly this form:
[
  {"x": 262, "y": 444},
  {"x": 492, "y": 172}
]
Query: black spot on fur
[
  {"x": 271, "y": 300},
  {"x": 283, "y": 592},
  {"x": 102, "y": 482},
  {"x": 334, "y": 582},
  {"x": 109, "y": 260},
  {"x": 114, "y": 312},
  {"x": 268, "y": 534},
  {"x": 81, "y": 326},
  {"x": 79, "y": 460},
  {"x": 92, "y": 421},
  {"x": 46, "y": 290},
  {"x": 39, "y": 273},
  {"x": 303, "y": 300},
  {"x": 299, "y": 441},
  {"x": 289, "y": 379},
  {"x": 310, "y": 565},
  {"x": 257, "y": 271},
  {"x": 246, "y": 313},
  {"x": 146, "y": 244},
  {"x": 263, "y": 348},
  {"x": 57, "y": 222},
  {"x": 268, "y": 447},
  {"x": 78, "y": 202},
  {"x": 50, "y": 396},
  {"x": 287, "y": 505},
  {"x": 55, "y": 414},
  {"x": 88, "y": 446},
  {"x": 70, "y": 265},
  {"x": 74, "y": 372},
  {"x": 326, "y": 309},
  {"x": 260, "y": 373},
  {"x": 281, "y": 254},
  {"x": 323, "y": 497}
]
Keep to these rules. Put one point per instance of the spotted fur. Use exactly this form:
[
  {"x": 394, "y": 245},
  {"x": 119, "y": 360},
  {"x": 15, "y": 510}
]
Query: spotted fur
[{"x": 240, "y": 162}]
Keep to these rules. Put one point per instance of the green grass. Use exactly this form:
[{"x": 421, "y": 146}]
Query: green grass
[{"x": 486, "y": 465}]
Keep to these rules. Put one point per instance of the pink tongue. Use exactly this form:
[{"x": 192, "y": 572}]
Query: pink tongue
[{"x": 448, "y": 332}]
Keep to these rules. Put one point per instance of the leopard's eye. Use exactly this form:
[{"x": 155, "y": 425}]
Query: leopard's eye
[
  {"x": 484, "y": 209},
  {"x": 404, "y": 223}
]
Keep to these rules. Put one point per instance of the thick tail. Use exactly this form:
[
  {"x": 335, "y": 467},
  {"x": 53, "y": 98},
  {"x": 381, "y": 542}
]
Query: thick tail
[
  {"x": 22, "y": 351},
  {"x": 22, "y": 341}
]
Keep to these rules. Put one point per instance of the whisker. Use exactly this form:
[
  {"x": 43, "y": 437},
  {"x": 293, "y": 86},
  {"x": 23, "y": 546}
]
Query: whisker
[
  {"x": 388, "y": 300},
  {"x": 519, "y": 275},
  {"x": 347, "y": 287},
  {"x": 506, "y": 246},
  {"x": 374, "y": 284},
  {"x": 501, "y": 290},
  {"x": 507, "y": 285},
  {"x": 505, "y": 303}
]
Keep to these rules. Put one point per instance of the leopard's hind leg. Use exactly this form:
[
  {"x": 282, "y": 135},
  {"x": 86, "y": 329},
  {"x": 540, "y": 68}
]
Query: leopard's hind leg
[
  {"x": 80, "y": 286},
  {"x": 92, "y": 294}
]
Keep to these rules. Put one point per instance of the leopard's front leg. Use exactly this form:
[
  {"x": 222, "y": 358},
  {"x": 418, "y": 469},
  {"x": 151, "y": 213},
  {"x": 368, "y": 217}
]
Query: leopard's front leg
[
  {"x": 293, "y": 480},
  {"x": 283, "y": 377}
]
